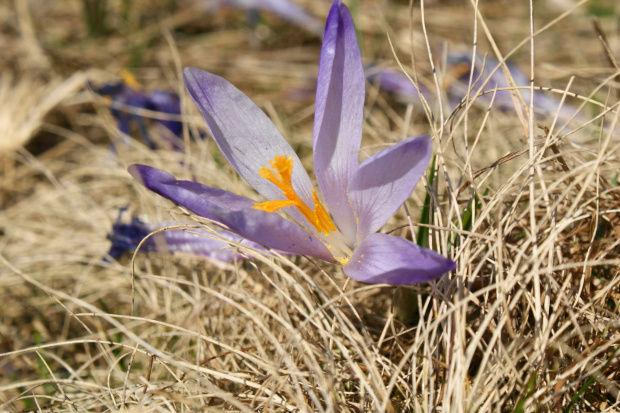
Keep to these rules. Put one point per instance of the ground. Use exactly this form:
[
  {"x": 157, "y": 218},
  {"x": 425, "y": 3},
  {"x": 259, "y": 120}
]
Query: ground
[{"x": 527, "y": 205}]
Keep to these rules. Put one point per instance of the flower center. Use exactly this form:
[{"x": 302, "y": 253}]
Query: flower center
[{"x": 280, "y": 175}]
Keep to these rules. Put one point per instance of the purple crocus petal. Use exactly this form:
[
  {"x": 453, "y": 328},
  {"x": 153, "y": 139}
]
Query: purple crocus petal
[
  {"x": 338, "y": 115},
  {"x": 489, "y": 76},
  {"x": 126, "y": 102},
  {"x": 108, "y": 89},
  {"x": 167, "y": 102},
  {"x": 385, "y": 180},
  {"x": 286, "y": 9},
  {"x": 124, "y": 124},
  {"x": 198, "y": 242},
  {"x": 386, "y": 259},
  {"x": 233, "y": 211},
  {"x": 395, "y": 81},
  {"x": 193, "y": 243},
  {"x": 246, "y": 136},
  {"x": 292, "y": 12}
]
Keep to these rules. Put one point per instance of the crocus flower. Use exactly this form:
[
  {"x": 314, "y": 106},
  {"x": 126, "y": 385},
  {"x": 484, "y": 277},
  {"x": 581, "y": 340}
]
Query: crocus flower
[
  {"x": 287, "y": 9},
  {"x": 357, "y": 198},
  {"x": 126, "y": 97},
  {"x": 126, "y": 238},
  {"x": 460, "y": 65},
  {"x": 395, "y": 81}
]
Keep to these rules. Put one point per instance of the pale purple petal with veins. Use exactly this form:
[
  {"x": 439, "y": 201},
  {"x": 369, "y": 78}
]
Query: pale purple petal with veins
[
  {"x": 233, "y": 211},
  {"x": 387, "y": 259},
  {"x": 385, "y": 180},
  {"x": 338, "y": 115},
  {"x": 245, "y": 135},
  {"x": 201, "y": 243},
  {"x": 192, "y": 241}
]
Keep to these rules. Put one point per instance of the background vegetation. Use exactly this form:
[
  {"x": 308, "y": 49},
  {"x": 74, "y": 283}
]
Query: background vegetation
[{"x": 530, "y": 211}]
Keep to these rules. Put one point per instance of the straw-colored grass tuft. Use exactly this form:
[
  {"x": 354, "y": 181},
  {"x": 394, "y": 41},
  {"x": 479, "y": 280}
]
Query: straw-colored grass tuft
[{"x": 528, "y": 207}]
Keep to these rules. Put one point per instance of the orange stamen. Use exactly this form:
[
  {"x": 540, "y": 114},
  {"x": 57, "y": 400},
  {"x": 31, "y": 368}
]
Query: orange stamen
[
  {"x": 280, "y": 176},
  {"x": 130, "y": 80}
]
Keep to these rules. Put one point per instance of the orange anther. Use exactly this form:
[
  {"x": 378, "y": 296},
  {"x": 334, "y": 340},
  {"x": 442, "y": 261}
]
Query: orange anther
[
  {"x": 130, "y": 80},
  {"x": 280, "y": 176}
]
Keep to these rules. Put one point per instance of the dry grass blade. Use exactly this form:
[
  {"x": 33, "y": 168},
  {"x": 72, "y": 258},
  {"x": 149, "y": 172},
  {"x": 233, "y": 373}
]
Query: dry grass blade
[
  {"x": 528, "y": 322},
  {"x": 25, "y": 102}
]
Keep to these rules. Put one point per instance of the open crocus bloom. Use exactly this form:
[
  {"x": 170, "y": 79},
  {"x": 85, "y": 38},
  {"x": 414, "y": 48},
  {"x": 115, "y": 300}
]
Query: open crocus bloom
[{"x": 357, "y": 198}]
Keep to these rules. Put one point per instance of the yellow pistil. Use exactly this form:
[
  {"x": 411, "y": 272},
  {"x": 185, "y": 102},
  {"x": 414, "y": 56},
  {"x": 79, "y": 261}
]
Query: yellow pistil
[
  {"x": 280, "y": 176},
  {"x": 130, "y": 80}
]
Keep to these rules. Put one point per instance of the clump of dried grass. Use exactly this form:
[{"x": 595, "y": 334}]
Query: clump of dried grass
[
  {"x": 25, "y": 103},
  {"x": 528, "y": 321}
]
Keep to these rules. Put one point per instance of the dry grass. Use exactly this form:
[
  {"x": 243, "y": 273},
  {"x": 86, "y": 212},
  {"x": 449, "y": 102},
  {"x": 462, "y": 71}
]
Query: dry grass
[{"x": 528, "y": 322}]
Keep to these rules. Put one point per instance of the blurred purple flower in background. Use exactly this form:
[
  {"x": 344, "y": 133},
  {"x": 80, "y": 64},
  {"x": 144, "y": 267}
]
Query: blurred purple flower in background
[
  {"x": 126, "y": 238},
  {"x": 126, "y": 100},
  {"x": 361, "y": 197},
  {"x": 286, "y": 9},
  {"x": 459, "y": 66},
  {"x": 396, "y": 82}
]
